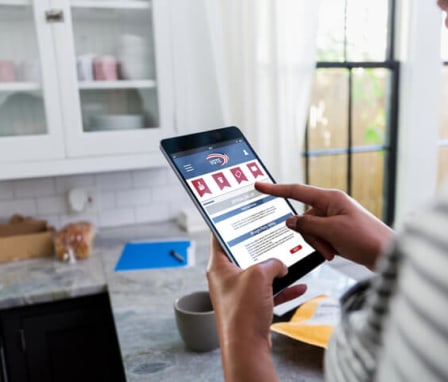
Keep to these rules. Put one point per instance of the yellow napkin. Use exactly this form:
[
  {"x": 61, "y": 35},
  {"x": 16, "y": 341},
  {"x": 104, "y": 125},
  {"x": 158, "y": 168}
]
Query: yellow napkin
[{"x": 313, "y": 322}]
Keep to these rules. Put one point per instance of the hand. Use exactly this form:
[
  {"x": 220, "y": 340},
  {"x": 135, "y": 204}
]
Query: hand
[
  {"x": 243, "y": 304},
  {"x": 335, "y": 224}
]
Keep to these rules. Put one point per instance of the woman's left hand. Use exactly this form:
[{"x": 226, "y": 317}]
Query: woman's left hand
[{"x": 243, "y": 302}]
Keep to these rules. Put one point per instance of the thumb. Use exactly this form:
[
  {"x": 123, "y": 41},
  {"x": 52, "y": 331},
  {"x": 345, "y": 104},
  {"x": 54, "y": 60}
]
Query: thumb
[
  {"x": 217, "y": 257},
  {"x": 273, "y": 268}
]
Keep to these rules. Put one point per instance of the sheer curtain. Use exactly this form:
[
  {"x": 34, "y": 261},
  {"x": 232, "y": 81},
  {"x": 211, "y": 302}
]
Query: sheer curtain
[{"x": 264, "y": 56}]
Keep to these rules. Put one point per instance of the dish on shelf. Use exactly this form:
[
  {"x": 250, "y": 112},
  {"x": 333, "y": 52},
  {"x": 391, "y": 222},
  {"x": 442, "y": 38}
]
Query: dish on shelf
[
  {"x": 7, "y": 71},
  {"x": 105, "y": 68},
  {"x": 117, "y": 122},
  {"x": 84, "y": 64},
  {"x": 135, "y": 59}
]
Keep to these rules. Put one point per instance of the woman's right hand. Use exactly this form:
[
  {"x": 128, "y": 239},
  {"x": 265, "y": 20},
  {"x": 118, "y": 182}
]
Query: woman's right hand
[{"x": 335, "y": 224}]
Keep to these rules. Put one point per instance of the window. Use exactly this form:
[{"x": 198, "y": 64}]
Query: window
[
  {"x": 351, "y": 135},
  {"x": 443, "y": 136}
]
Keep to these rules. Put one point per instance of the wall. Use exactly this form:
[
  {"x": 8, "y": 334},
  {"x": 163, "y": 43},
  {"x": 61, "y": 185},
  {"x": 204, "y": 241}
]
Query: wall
[
  {"x": 419, "y": 107},
  {"x": 125, "y": 197}
]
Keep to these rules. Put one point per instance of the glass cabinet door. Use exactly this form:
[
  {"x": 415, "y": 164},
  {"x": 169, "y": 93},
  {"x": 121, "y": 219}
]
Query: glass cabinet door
[
  {"x": 117, "y": 76},
  {"x": 115, "y": 64},
  {"x": 28, "y": 127}
]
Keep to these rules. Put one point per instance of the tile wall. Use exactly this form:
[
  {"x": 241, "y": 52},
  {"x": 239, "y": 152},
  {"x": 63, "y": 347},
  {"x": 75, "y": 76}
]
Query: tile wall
[{"x": 126, "y": 197}]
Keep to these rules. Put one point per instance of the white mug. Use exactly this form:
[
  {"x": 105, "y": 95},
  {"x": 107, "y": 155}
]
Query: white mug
[
  {"x": 85, "y": 67},
  {"x": 30, "y": 71}
]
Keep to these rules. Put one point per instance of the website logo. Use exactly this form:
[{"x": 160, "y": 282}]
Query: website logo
[{"x": 217, "y": 159}]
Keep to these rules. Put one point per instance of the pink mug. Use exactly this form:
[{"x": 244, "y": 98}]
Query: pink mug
[
  {"x": 105, "y": 68},
  {"x": 7, "y": 71}
]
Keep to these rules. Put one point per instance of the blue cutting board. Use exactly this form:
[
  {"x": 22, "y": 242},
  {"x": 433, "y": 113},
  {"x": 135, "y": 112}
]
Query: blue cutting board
[{"x": 153, "y": 254}]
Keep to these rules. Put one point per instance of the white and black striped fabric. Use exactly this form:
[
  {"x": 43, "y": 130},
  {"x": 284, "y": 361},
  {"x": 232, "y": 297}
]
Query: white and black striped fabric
[{"x": 395, "y": 326}]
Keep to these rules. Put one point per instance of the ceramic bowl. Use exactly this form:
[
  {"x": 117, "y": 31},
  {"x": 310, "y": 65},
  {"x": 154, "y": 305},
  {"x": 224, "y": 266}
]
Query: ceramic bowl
[{"x": 117, "y": 122}]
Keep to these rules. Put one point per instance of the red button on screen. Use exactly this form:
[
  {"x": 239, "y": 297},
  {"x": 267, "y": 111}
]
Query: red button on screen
[{"x": 295, "y": 249}]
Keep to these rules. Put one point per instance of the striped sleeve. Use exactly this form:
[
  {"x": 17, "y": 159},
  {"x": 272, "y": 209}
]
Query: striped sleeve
[
  {"x": 416, "y": 338},
  {"x": 396, "y": 328},
  {"x": 352, "y": 352}
]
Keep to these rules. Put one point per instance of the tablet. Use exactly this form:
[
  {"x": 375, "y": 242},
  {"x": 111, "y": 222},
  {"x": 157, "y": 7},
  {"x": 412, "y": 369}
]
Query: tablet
[{"x": 218, "y": 169}]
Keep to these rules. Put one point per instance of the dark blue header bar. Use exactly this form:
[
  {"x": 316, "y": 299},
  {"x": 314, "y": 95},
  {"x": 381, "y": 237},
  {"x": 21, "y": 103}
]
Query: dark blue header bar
[{"x": 211, "y": 160}]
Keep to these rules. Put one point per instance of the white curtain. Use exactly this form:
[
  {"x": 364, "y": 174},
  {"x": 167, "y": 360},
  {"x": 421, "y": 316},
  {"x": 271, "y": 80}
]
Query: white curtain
[{"x": 264, "y": 57}]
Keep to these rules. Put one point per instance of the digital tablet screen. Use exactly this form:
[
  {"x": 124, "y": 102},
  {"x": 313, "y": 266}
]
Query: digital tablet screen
[{"x": 220, "y": 178}]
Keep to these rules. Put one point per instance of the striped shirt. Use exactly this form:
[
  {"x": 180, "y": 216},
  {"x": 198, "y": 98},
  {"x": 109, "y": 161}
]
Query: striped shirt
[{"x": 395, "y": 326}]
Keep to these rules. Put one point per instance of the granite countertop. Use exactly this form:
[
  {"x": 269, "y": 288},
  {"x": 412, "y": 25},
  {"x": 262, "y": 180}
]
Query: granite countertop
[{"x": 142, "y": 305}]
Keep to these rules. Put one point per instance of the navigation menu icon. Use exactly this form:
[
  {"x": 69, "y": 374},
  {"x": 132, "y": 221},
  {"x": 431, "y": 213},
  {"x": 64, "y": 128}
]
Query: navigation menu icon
[{"x": 188, "y": 167}]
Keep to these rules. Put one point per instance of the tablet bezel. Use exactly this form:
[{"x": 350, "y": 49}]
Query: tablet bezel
[{"x": 195, "y": 141}]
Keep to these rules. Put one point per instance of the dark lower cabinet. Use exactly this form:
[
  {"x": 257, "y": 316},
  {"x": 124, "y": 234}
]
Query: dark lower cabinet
[{"x": 64, "y": 341}]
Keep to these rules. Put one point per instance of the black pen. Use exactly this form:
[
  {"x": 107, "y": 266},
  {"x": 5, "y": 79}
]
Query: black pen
[{"x": 178, "y": 257}]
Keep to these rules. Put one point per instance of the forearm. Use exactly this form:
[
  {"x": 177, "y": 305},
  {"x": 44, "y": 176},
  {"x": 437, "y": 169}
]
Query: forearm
[{"x": 246, "y": 360}]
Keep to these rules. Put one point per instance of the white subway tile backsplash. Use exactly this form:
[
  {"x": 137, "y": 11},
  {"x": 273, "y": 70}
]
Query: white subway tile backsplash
[
  {"x": 72, "y": 218},
  {"x": 66, "y": 183},
  {"x": 171, "y": 176},
  {"x": 6, "y": 190},
  {"x": 52, "y": 220},
  {"x": 153, "y": 213},
  {"x": 180, "y": 204},
  {"x": 25, "y": 207},
  {"x": 52, "y": 205},
  {"x": 130, "y": 198},
  {"x": 117, "y": 217},
  {"x": 150, "y": 178},
  {"x": 114, "y": 180},
  {"x": 34, "y": 187},
  {"x": 168, "y": 193},
  {"x": 125, "y": 197},
  {"x": 107, "y": 200}
]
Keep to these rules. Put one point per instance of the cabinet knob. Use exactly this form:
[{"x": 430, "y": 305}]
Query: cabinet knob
[{"x": 54, "y": 16}]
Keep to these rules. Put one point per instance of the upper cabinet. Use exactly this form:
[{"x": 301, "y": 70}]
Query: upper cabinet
[
  {"x": 85, "y": 86},
  {"x": 30, "y": 117}
]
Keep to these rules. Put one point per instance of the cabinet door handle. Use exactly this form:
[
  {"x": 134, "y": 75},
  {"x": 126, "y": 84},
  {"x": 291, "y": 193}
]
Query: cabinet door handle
[
  {"x": 4, "y": 374},
  {"x": 22, "y": 340},
  {"x": 54, "y": 16}
]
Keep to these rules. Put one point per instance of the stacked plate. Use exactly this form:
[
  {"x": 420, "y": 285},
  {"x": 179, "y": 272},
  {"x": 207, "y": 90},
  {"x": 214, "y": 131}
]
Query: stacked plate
[
  {"x": 135, "y": 58},
  {"x": 103, "y": 122}
]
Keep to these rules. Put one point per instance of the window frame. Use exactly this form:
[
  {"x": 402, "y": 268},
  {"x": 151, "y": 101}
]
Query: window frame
[{"x": 390, "y": 146}]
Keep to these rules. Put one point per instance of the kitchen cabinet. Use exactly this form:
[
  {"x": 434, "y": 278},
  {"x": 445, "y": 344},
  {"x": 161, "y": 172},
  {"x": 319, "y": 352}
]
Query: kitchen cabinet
[
  {"x": 69, "y": 340},
  {"x": 85, "y": 85}
]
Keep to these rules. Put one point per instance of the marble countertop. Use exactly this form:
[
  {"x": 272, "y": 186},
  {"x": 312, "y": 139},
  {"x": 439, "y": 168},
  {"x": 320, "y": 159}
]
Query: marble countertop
[{"x": 142, "y": 305}]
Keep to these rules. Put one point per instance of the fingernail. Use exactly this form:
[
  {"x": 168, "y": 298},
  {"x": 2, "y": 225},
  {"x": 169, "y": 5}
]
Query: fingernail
[{"x": 291, "y": 222}]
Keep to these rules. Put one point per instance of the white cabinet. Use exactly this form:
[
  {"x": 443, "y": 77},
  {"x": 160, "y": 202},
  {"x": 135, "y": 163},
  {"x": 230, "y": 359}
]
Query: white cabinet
[{"x": 85, "y": 86}]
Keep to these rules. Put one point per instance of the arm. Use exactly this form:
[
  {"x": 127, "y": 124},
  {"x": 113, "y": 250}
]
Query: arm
[
  {"x": 335, "y": 224},
  {"x": 243, "y": 304},
  {"x": 242, "y": 299}
]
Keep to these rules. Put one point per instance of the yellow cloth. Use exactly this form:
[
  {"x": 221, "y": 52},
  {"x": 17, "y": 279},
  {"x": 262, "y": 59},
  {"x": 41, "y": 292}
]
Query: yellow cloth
[{"x": 307, "y": 325}]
